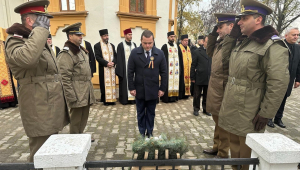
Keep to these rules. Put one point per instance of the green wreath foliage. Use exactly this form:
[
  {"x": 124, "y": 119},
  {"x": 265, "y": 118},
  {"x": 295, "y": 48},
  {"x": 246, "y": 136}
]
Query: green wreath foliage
[{"x": 160, "y": 143}]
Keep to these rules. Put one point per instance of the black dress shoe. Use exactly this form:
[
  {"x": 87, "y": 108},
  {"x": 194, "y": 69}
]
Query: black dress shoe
[
  {"x": 196, "y": 113},
  {"x": 149, "y": 135},
  {"x": 279, "y": 123},
  {"x": 210, "y": 152},
  {"x": 270, "y": 123},
  {"x": 206, "y": 113}
]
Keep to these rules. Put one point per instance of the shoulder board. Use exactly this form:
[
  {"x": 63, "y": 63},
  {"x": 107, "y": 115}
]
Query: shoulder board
[
  {"x": 66, "y": 48},
  {"x": 18, "y": 36},
  {"x": 275, "y": 37}
]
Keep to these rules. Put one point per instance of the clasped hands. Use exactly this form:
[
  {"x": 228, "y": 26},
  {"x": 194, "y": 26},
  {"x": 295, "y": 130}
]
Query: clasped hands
[{"x": 160, "y": 93}]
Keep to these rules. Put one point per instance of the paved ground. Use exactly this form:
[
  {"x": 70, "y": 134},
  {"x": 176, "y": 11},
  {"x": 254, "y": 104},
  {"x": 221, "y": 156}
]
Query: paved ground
[{"x": 115, "y": 128}]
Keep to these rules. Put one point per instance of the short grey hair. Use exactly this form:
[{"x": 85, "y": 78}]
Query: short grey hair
[
  {"x": 288, "y": 30},
  {"x": 24, "y": 16}
]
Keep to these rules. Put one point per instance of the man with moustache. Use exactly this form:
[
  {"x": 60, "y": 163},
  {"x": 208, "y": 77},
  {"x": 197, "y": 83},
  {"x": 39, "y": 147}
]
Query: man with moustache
[
  {"x": 106, "y": 55},
  {"x": 76, "y": 77},
  {"x": 171, "y": 53},
  {"x": 145, "y": 64},
  {"x": 258, "y": 77},
  {"x": 291, "y": 38},
  {"x": 32, "y": 62},
  {"x": 217, "y": 82},
  {"x": 123, "y": 52}
]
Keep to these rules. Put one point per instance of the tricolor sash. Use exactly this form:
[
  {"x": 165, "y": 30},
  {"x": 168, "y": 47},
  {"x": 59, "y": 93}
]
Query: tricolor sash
[
  {"x": 127, "y": 51},
  {"x": 187, "y": 62},
  {"x": 173, "y": 86},
  {"x": 109, "y": 73}
]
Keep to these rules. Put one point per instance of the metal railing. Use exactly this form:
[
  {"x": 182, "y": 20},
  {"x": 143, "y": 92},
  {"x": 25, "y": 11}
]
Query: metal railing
[
  {"x": 156, "y": 163},
  {"x": 173, "y": 163},
  {"x": 16, "y": 166}
]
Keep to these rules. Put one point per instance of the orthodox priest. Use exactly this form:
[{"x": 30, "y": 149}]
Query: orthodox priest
[
  {"x": 8, "y": 96},
  {"x": 55, "y": 49},
  {"x": 185, "y": 61},
  {"x": 106, "y": 55},
  {"x": 171, "y": 53},
  {"x": 123, "y": 52}
]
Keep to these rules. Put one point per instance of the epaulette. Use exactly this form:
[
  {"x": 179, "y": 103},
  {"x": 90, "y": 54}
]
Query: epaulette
[
  {"x": 65, "y": 49},
  {"x": 18, "y": 36},
  {"x": 275, "y": 37}
]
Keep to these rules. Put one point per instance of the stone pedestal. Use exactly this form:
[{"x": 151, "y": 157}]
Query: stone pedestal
[
  {"x": 274, "y": 151},
  {"x": 63, "y": 152}
]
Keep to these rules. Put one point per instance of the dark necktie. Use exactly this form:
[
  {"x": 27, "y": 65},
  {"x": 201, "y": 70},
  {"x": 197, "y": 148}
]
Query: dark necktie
[{"x": 148, "y": 55}]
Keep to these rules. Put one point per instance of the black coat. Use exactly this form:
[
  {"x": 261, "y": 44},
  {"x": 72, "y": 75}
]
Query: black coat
[
  {"x": 91, "y": 57},
  {"x": 121, "y": 73},
  {"x": 201, "y": 67},
  {"x": 294, "y": 68},
  {"x": 146, "y": 80},
  {"x": 102, "y": 63}
]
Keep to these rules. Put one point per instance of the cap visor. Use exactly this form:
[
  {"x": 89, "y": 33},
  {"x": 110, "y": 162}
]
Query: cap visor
[{"x": 44, "y": 14}]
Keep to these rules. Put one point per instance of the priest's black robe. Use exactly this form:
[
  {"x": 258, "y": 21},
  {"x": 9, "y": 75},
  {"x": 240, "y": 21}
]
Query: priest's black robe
[
  {"x": 121, "y": 73},
  {"x": 102, "y": 63},
  {"x": 181, "y": 77},
  {"x": 7, "y": 104},
  {"x": 165, "y": 97},
  {"x": 91, "y": 57}
]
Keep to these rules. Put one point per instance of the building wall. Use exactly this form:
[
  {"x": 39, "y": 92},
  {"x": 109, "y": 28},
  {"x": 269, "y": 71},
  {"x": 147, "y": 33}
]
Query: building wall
[{"x": 8, "y": 16}]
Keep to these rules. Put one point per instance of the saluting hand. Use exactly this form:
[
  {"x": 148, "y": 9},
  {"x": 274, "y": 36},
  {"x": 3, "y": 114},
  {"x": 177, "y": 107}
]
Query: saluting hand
[
  {"x": 236, "y": 30},
  {"x": 42, "y": 21}
]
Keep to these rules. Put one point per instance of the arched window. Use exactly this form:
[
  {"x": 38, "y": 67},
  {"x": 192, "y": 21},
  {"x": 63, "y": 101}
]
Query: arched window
[
  {"x": 137, "y": 6},
  {"x": 67, "y": 5}
]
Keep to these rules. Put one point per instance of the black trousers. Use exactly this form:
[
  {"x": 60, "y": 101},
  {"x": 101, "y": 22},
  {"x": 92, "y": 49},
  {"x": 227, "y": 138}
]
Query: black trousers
[
  {"x": 145, "y": 115},
  {"x": 197, "y": 95},
  {"x": 279, "y": 113}
]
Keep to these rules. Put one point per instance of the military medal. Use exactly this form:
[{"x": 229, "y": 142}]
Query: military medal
[{"x": 151, "y": 62}]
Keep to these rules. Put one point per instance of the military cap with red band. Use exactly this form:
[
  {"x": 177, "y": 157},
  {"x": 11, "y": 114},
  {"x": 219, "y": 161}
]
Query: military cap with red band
[{"x": 38, "y": 7}]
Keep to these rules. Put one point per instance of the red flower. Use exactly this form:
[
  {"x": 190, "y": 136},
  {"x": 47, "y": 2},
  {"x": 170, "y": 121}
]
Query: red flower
[
  {"x": 4, "y": 82},
  {"x": 183, "y": 50}
]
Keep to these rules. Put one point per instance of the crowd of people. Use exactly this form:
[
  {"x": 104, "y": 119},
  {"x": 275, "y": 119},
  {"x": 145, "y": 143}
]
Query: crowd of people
[{"x": 243, "y": 70}]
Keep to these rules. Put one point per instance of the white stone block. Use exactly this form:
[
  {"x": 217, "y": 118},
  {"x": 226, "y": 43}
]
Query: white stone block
[
  {"x": 63, "y": 150},
  {"x": 274, "y": 148}
]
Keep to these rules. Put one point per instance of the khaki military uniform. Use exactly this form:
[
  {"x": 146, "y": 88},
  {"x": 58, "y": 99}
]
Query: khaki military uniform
[
  {"x": 215, "y": 93},
  {"x": 257, "y": 83},
  {"x": 78, "y": 88},
  {"x": 41, "y": 98}
]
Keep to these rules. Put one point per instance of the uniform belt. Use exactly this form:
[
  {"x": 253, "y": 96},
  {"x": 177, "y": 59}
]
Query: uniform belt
[
  {"x": 220, "y": 76},
  {"x": 81, "y": 78},
  {"x": 40, "y": 79},
  {"x": 246, "y": 83}
]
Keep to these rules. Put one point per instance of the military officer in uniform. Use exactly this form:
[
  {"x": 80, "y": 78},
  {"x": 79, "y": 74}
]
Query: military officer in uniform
[
  {"x": 76, "y": 77},
  {"x": 258, "y": 77},
  {"x": 217, "y": 81},
  {"x": 42, "y": 105}
]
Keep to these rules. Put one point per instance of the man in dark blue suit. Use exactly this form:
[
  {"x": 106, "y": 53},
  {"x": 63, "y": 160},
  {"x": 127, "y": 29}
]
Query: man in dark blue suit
[{"x": 145, "y": 64}]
